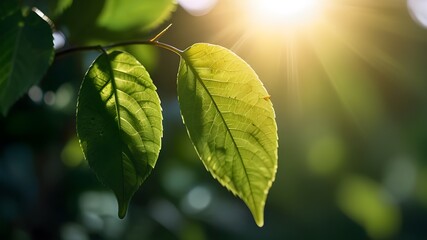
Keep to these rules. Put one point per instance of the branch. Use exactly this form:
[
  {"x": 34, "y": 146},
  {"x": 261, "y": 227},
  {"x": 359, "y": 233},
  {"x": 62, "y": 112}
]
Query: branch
[{"x": 154, "y": 42}]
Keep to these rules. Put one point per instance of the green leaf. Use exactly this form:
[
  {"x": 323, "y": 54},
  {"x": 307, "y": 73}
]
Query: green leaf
[
  {"x": 119, "y": 123},
  {"x": 57, "y": 7},
  {"x": 231, "y": 122},
  {"x": 135, "y": 14},
  {"x": 26, "y": 52}
]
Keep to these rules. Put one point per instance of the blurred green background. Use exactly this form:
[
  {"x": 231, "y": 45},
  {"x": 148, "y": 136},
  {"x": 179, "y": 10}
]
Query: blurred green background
[{"x": 350, "y": 92}]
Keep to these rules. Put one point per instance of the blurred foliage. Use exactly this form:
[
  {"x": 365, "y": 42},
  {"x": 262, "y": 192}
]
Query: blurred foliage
[
  {"x": 135, "y": 14},
  {"x": 350, "y": 99}
]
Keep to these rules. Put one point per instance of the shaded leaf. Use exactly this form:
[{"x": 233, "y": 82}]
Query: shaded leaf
[
  {"x": 26, "y": 52},
  {"x": 8, "y": 7},
  {"x": 119, "y": 123},
  {"x": 231, "y": 122},
  {"x": 57, "y": 7},
  {"x": 135, "y": 14}
]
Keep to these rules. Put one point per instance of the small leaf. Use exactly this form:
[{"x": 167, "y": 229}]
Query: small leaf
[
  {"x": 135, "y": 14},
  {"x": 26, "y": 52},
  {"x": 119, "y": 123},
  {"x": 230, "y": 121}
]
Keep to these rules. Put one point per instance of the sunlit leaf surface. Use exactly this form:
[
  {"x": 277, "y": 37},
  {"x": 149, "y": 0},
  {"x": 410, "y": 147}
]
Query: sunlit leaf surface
[
  {"x": 26, "y": 51},
  {"x": 230, "y": 120},
  {"x": 119, "y": 123},
  {"x": 135, "y": 14}
]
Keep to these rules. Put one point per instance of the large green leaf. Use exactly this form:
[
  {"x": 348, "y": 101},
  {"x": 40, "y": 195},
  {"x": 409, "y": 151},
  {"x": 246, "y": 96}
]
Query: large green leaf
[
  {"x": 135, "y": 14},
  {"x": 231, "y": 122},
  {"x": 119, "y": 123},
  {"x": 26, "y": 52}
]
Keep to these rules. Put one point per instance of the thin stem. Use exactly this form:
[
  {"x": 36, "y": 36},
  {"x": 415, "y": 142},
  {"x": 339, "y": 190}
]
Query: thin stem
[
  {"x": 135, "y": 42},
  {"x": 121, "y": 44},
  {"x": 153, "y": 41},
  {"x": 171, "y": 48},
  {"x": 160, "y": 34},
  {"x": 76, "y": 49}
]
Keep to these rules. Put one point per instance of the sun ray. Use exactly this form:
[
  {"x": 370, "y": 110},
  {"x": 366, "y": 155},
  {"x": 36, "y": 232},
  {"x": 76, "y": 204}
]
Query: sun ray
[
  {"x": 292, "y": 69},
  {"x": 351, "y": 79},
  {"x": 373, "y": 54},
  {"x": 241, "y": 40},
  {"x": 348, "y": 39}
]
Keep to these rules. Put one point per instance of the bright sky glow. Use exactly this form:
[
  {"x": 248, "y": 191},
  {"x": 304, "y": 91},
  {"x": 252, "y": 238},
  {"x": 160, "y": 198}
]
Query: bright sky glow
[{"x": 283, "y": 11}]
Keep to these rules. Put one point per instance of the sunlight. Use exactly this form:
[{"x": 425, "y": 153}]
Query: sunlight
[{"x": 278, "y": 12}]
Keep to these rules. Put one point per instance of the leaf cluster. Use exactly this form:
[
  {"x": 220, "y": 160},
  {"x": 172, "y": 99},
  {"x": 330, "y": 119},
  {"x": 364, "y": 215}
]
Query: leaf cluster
[{"x": 224, "y": 106}]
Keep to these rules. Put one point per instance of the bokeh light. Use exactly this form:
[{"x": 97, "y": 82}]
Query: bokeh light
[
  {"x": 36, "y": 94},
  {"x": 326, "y": 155},
  {"x": 198, "y": 199},
  {"x": 72, "y": 155},
  {"x": 418, "y": 10},
  {"x": 58, "y": 40},
  {"x": 368, "y": 204},
  {"x": 49, "y": 98},
  {"x": 198, "y": 7}
]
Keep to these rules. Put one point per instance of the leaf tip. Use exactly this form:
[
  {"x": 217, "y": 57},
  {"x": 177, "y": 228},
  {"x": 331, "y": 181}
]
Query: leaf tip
[
  {"x": 4, "y": 110},
  {"x": 259, "y": 222},
  {"x": 258, "y": 217},
  {"x": 123, "y": 208}
]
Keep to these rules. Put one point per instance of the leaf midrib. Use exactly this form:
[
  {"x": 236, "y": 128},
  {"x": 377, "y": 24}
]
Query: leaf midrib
[
  {"x": 199, "y": 79},
  {"x": 119, "y": 125}
]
